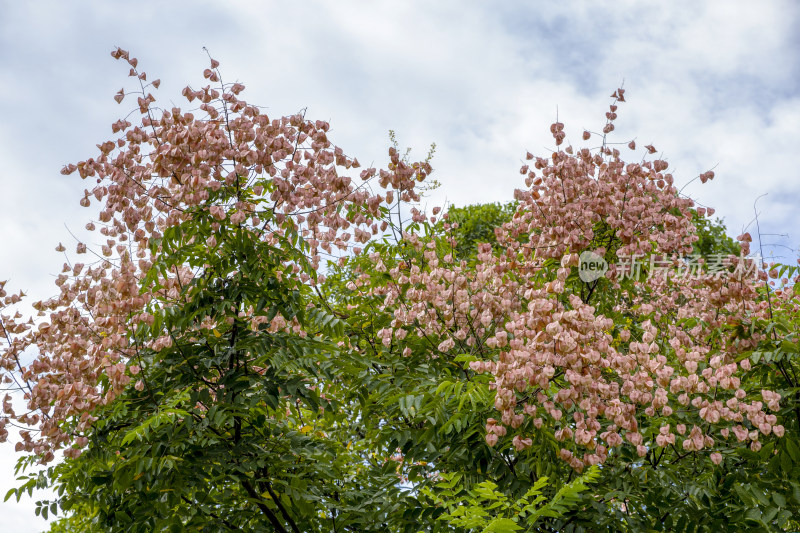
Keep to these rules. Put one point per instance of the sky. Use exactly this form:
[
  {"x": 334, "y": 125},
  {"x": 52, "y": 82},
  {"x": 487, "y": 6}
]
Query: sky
[{"x": 711, "y": 84}]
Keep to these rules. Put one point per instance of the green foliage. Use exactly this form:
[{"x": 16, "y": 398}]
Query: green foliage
[
  {"x": 476, "y": 224},
  {"x": 233, "y": 428},
  {"x": 238, "y": 429},
  {"x": 428, "y": 412},
  {"x": 666, "y": 491},
  {"x": 485, "y": 509},
  {"x": 713, "y": 239}
]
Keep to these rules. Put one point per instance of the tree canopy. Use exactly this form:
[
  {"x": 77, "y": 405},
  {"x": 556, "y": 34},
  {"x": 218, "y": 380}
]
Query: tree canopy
[{"x": 271, "y": 338}]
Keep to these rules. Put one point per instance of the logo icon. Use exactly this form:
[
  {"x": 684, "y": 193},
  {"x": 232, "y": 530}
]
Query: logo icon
[{"x": 591, "y": 267}]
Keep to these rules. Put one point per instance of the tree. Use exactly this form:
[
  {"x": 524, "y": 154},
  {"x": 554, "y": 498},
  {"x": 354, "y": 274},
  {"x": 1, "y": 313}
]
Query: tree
[
  {"x": 187, "y": 372},
  {"x": 638, "y": 371},
  {"x": 264, "y": 345}
]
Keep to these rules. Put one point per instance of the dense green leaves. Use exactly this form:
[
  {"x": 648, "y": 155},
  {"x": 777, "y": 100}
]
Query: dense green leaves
[
  {"x": 474, "y": 224},
  {"x": 271, "y": 393},
  {"x": 486, "y": 509},
  {"x": 237, "y": 429}
]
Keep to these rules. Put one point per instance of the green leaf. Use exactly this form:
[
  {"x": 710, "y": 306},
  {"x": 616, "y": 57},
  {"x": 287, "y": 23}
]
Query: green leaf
[
  {"x": 793, "y": 449},
  {"x": 502, "y": 525}
]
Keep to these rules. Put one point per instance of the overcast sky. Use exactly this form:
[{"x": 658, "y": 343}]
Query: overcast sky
[{"x": 710, "y": 84}]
